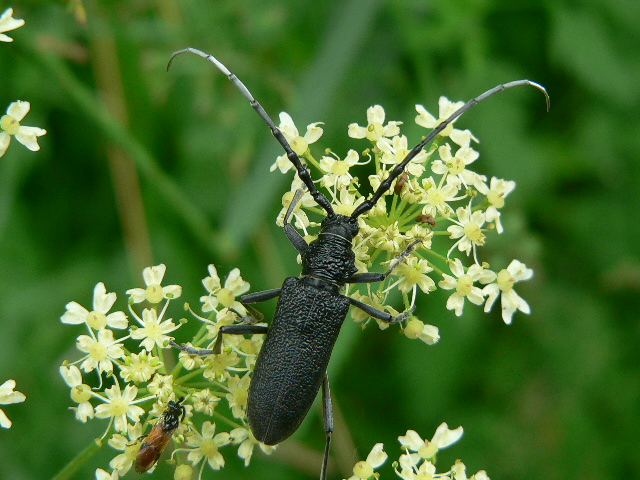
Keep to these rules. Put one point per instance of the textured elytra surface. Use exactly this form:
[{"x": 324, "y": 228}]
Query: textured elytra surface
[{"x": 293, "y": 359}]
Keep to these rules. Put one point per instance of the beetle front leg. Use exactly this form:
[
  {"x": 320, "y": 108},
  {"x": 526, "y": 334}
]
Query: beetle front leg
[
  {"x": 293, "y": 235},
  {"x": 256, "y": 297},
  {"x": 372, "y": 277}
]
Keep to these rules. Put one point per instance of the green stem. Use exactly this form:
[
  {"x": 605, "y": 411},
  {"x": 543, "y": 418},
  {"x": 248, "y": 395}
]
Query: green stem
[
  {"x": 82, "y": 458},
  {"x": 434, "y": 255},
  {"x": 408, "y": 215},
  {"x": 187, "y": 376},
  {"x": 311, "y": 159},
  {"x": 226, "y": 420}
]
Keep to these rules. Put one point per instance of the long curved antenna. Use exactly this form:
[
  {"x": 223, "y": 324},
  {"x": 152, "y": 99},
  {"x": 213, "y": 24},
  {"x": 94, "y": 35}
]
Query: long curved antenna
[
  {"x": 293, "y": 157},
  {"x": 399, "y": 168}
]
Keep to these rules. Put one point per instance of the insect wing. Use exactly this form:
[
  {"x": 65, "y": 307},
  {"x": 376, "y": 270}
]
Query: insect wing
[{"x": 152, "y": 448}]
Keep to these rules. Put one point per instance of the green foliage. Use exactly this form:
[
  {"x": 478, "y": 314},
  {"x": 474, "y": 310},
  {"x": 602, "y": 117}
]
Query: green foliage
[{"x": 141, "y": 167}]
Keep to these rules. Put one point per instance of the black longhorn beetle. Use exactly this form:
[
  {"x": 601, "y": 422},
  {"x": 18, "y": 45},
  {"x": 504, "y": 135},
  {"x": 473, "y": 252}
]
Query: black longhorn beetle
[{"x": 292, "y": 363}]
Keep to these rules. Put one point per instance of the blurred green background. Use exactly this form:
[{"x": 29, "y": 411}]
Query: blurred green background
[{"x": 142, "y": 167}]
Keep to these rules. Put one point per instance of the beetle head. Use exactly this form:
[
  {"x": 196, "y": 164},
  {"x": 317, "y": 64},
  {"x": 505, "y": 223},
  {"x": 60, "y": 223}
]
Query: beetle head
[{"x": 341, "y": 225}]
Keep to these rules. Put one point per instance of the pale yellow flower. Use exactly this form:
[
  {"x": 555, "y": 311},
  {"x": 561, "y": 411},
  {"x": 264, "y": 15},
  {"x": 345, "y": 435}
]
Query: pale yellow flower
[
  {"x": 8, "y": 23},
  {"x": 10, "y": 126}
]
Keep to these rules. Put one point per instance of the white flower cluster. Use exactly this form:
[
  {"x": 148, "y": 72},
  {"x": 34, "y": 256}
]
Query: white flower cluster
[
  {"x": 438, "y": 200},
  {"x": 132, "y": 371},
  {"x": 418, "y": 462}
]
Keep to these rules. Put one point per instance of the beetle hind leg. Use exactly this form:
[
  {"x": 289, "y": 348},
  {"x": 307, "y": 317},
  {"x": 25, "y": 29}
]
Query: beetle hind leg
[{"x": 327, "y": 414}]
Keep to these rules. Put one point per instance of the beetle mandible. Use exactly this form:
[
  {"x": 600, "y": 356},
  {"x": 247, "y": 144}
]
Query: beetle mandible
[{"x": 292, "y": 364}]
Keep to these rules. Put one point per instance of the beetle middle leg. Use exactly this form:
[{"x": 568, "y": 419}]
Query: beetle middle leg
[
  {"x": 372, "y": 277},
  {"x": 247, "y": 326},
  {"x": 236, "y": 329}
]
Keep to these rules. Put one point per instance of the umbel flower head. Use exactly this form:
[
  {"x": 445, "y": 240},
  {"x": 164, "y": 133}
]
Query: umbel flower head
[
  {"x": 127, "y": 360},
  {"x": 438, "y": 200},
  {"x": 126, "y": 371},
  {"x": 419, "y": 460}
]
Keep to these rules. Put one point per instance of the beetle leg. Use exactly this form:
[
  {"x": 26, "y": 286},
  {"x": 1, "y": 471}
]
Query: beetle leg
[
  {"x": 294, "y": 236},
  {"x": 244, "y": 328},
  {"x": 371, "y": 277},
  {"x": 380, "y": 314},
  {"x": 327, "y": 413},
  {"x": 257, "y": 297},
  {"x": 237, "y": 329},
  {"x": 255, "y": 316}
]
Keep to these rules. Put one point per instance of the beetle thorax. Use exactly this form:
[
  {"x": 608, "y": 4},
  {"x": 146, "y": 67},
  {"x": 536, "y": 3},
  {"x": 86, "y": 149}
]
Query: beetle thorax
[{"x": 330, "y": 257}]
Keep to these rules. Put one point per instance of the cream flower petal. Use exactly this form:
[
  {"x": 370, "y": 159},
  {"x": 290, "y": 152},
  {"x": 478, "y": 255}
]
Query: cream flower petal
[
  {"x": 18, "y": 109},
  {"x": 356, "y": 131},
  {"x": 411, "y": 440},
  {"x": 117, "y": 320},
  {"x": 377, "y": 456},
  {"x": 7, "y": 23},
  {"x": 171, "y": 291},
  {"x": 75, "y": 314},
  {"x": 4, "y": 420},
  {"x": 445, "y": 437},
  {"x": 5, "y": 139},
  {"x": 424, "y": 118},
  {"x": 102, "y": 301},
  {"x": 28, "y": 136},
  {"x": 287, "y": 126},
  {"x": 154, "y": 275},
  {"x": 8, "y": 395},
  {"x": 375, "y": 114},
  {"x": 314, "y": 132},
  {"x": 71, "y": 375}
]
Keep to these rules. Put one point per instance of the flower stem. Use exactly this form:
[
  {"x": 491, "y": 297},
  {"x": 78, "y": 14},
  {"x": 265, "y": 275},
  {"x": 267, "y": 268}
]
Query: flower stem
[{"x": 74, "y": 465}]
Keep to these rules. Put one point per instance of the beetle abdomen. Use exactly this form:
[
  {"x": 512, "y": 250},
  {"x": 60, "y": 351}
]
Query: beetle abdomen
[{"x": 293, "y": 359}]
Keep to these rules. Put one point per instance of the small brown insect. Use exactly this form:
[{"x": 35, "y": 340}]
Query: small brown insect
[
  {"x": 160, "y": 435},
  {"x": 400, "y": 183},
  {"x": 426, "y": 219}
]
